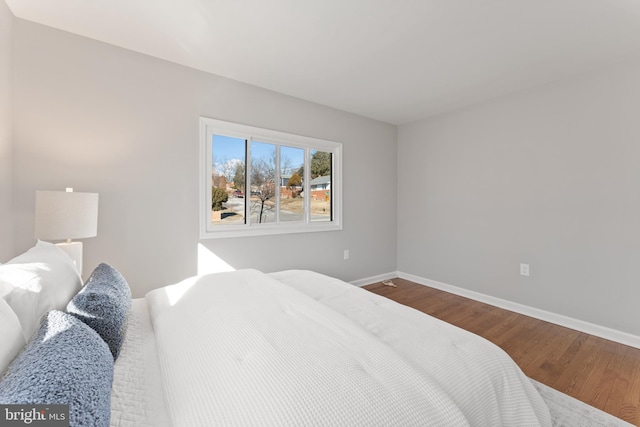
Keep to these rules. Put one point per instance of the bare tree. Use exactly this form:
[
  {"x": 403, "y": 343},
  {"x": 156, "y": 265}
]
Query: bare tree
[
  {"x": 239, "y": 176},
  {"x": 263, "y": 186}
]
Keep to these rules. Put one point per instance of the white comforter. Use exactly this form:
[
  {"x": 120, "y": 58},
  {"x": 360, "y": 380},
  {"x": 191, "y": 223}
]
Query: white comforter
[{"x": 298, "y": 348}]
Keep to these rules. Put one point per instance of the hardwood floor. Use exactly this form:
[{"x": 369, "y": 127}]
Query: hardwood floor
[{"x": 599, "y": 372}]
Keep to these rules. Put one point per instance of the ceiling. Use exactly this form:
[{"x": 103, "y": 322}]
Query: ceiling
[{"x": 392, "y": 60}]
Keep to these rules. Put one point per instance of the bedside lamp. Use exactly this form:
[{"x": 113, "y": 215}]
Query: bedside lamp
[{"x": 66, "y": 215}]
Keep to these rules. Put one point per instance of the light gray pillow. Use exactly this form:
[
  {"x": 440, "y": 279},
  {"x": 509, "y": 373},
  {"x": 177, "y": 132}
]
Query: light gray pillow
[
  {"x": 65, "y": 362},
  {"x": 103, "y": 304}
]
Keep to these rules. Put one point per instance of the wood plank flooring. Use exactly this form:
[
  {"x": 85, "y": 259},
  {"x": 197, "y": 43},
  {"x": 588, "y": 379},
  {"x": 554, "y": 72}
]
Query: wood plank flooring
[{"x": 601, "y": 373}]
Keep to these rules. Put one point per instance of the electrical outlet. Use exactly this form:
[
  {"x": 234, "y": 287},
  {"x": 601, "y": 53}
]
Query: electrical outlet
[
  {"x": 524, "y": 269},
  {"x": 346, "y": 254}
]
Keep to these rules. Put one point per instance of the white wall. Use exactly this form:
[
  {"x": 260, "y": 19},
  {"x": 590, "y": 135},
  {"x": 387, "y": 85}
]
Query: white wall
[
  {"x": 550, "y": 177},
  {"x": 6, "y": 144},
  {"x": 104, "y": 119}
]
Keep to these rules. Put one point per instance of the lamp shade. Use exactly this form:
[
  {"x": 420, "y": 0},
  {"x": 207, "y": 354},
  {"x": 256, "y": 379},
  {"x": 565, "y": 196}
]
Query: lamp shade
[{"x": 66, "y": 215}]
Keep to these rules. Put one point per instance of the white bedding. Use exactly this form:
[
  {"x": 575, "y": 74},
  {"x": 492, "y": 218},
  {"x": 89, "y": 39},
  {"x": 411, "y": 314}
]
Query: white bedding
[
  {"x": 485, "y": 383},
  {"x": 137, "y": 398},
  {"x": 299, "y": 348}
]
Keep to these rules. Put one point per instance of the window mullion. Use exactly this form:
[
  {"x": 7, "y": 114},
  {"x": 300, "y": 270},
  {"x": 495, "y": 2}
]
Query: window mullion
[
  {"x": 307, "y": 185},
  {"x": 276, "y": 184},
  {"x": 247, "y": 185},
  {"x": 333, "y": 193},
  {"x": 208, "y": 173}
]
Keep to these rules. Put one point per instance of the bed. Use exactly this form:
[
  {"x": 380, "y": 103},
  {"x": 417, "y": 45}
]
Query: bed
[{"x": 250, "y": 348}]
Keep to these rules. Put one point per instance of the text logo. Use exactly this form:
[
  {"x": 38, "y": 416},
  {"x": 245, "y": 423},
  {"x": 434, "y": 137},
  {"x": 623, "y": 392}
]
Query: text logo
[{"x": 34, "y": 415}]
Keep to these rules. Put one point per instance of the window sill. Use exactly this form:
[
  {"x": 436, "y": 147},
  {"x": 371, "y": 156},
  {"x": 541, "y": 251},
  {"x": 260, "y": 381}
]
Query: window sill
[{"x": 224, "y": 232}]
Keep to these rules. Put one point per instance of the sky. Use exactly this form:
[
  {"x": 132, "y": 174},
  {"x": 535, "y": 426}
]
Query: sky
[{"x": 226, "y": 148}]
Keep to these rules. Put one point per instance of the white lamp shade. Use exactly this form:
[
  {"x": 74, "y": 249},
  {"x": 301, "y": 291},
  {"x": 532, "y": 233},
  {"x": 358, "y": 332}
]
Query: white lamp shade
[{"x": 64, "y": 215}]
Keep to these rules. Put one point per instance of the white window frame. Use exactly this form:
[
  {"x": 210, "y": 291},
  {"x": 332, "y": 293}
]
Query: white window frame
[{"x": 209, "y": 127}]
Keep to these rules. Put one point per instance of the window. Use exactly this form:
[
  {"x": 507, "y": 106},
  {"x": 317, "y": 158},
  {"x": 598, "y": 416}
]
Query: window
[{"x": 257, "y": 181}]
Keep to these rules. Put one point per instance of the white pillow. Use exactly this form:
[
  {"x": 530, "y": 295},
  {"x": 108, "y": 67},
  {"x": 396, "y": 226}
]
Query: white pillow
[
  {"x": 43, "y": 278},
  {"x": 10, "y": 336}
]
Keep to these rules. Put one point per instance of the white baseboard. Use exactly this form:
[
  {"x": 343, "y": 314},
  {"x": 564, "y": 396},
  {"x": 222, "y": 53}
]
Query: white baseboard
[
  {"x": 375, "y": 279},
  {"x": 568, "y": 322}
]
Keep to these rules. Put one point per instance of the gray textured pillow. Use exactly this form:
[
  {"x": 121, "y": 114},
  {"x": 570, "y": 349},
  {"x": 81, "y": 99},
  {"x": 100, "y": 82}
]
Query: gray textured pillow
[
  {"x": 103, "y": 304},
  {"x": 65, "y": 362}
]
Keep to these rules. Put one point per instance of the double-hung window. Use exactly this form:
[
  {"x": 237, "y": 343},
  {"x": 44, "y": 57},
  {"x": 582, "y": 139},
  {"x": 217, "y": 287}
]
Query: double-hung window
[{"x": 258, "y": 181}]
